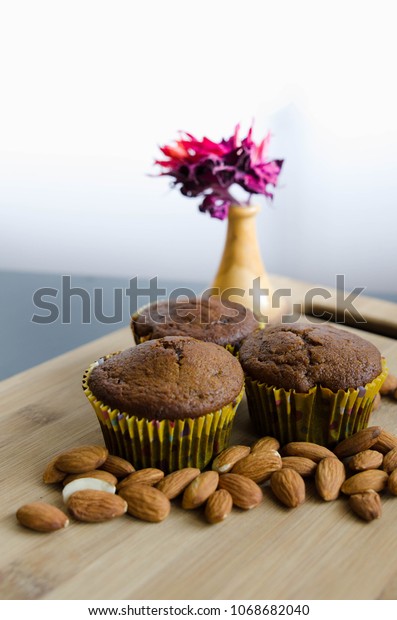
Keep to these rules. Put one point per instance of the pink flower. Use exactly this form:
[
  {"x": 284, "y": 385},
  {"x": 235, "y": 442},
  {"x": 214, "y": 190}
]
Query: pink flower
[{"x": 209, "y": 169}]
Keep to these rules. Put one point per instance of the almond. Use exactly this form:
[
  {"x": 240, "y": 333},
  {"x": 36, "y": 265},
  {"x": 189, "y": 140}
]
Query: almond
[
  {"x": 305, "y": 467},
  {"x": 175, "y": 483},
  {"x": 366, "y": 505},
  {"x": 218, "y": 506},
  {"x": 265, "y": 443},
  {"x": 288, "y": 486},
  {"x": 42, "y": 517},
  {"x": 392, "y": 482},
  {"x": 246, "y": 494},
  {"x": 362, "y": 440},
  {"x": 229, "y": 457},
  {"x": 330, "y": 475},
  {"x": 52, "y": 474},
  {"x": 83, "y": 484},
  {"x": 374, "y": 479},
  {"x": 149, "y": 475},
  {"x": 259, "y": 466},
  {"x": 367, "y": 459},
  {"x": 385, "y": 442},
  {"x": 82, "y": 459},
  {"x": 309, "y": 450},
  {"x": 95, "y": 506},
  {"x": 389, "y": 385},
  {"x": 146, "y": 502},
  {"x": 95, "y": 473},
  {"x": 390, "y": 461},
  {"x": 376, "y": 402},
  {"x": 199, "y": 490},
  {"x": 117, "y": 466}
]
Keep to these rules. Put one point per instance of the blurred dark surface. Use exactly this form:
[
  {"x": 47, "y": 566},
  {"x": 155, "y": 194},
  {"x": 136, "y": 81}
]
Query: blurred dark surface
[{"x": 71, "y": 318}]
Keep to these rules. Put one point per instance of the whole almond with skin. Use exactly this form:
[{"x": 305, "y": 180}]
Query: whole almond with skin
[
  {"x": 389, "y": 385},
  {"x": 390, "y": 461},
  {"x": 246, "y": 494},
  {"x": 366, "y": 505},
  {"x": 265, "y": 443},
  {"x": 374, "y": 479},
  {"x": 82, "y": 459},
  {"x": 305, "y": 467},
  {"x": 307, "y": 449},
  {"x": 95, "y": 473},
  {"x": 117, "y": 466},
  {"x": 85, "y": 484},
  {"x": 330, "y": 475},
  {"x": 95, "y": 506},
  {"x": 367, "y": 459},
  {"x": 385, "y": 442},
  {"x": 52, "y": 474},
  {"x": 258, "y": 466},
  {"x": 149, "y": 475},
  {"x": 218, "y": 506},
  {"x": 229, "y": 457},
  {"x": 175, "y": 483},
  {"x": 42, "y": 517},
  {"x": 363, "y": 440},
  {"x": 289, "y": 487},
  {"x": 146, "y": 503},
  {"x": 199, "y": 490},
  {"x": 392, "y": 482},
  {"x": 376, "y": 402}
]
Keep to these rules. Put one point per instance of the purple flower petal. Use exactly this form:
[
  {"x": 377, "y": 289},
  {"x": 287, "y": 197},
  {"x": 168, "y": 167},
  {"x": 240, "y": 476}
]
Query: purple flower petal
[
  {"x": 209, "y": 169},
  {"x": 216, "y": 207}
]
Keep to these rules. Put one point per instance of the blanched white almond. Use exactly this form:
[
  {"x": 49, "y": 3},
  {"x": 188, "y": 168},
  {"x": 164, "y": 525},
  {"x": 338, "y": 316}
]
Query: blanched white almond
[{"x": 82, "y": 484}]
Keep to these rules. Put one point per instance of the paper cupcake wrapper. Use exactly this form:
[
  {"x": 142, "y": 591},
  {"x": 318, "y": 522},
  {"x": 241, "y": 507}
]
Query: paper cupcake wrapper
[
  {"x": 320, "y": 415},
  {"x": 166, "y": 444}
]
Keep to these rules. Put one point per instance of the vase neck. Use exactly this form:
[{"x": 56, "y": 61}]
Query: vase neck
[{"x": 242, "y": 211}]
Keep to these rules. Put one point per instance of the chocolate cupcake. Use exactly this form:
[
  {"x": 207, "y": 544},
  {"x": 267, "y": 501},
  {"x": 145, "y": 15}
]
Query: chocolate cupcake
[
  {"x": 208, "y": 319},
  {"x": 310, "y": 382},
  {"x": 166, "y": 403}
]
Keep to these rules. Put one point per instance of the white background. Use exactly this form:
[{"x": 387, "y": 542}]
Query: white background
[{"x": 89, "y": 89}]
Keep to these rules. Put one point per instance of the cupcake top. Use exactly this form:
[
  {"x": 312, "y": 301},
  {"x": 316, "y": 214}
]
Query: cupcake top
[
  {"x": 174, "y": 377},
  {"x": 300, "y": 356},
  {"x": 205, "y": 319}
]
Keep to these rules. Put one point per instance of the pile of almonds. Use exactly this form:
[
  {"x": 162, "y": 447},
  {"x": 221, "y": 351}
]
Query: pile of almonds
[{"x": 98, "y": 486}]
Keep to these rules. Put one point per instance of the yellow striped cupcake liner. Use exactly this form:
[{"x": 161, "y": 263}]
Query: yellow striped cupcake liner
[
  {"x": 166, "y": 444},
  {"x": 320, "y": 415}
]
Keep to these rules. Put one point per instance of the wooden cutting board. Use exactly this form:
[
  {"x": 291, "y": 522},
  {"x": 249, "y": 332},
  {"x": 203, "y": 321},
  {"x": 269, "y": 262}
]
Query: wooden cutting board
[{"x": 317, "y": 551}]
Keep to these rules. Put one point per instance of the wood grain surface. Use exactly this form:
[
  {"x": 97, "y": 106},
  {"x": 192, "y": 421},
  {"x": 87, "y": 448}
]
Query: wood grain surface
[
  {"x": 317, "y": 551},
  {"x": 365, "y": 313}
]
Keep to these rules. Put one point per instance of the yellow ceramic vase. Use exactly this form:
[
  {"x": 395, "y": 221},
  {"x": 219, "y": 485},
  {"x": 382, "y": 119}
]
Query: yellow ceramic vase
[{"x": 242, "y": 264}]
